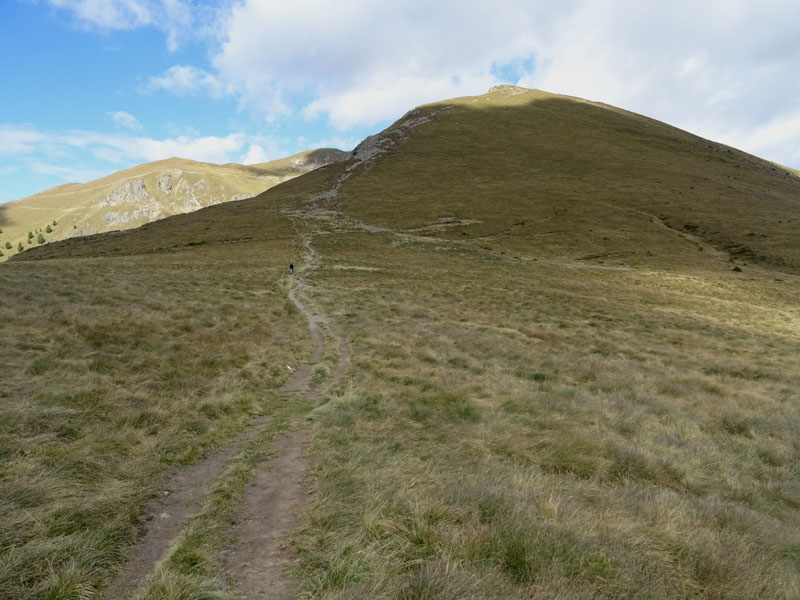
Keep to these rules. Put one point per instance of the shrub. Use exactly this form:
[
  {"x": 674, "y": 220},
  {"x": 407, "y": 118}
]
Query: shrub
[
  {"x": 40, "y": 239},
  {"x": 30, "y": 235},
  {"x": 19, "y": 247},
  {"x": 49, "y": 229},
  {"x": 8, "y": 245}
]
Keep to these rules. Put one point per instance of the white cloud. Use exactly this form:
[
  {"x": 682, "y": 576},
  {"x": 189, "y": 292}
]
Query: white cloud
[
  {"x": 118, "y": 149},
  {"x": 174, "y": 17},
  {"x": 125, "y": 119},
  {"x": 186, "y": 80},
  {"x": 109, "y": 14},
  {"x": 206, "y": 149},
  {"x": 777, "y": 137},
  {"x": 361, "y": 62},
  {"x": 721, "y": 69},
  {"x": 70, "y": 174},
  {"x": 255, "y": 154},
  {"x": 16, "y": 139}
]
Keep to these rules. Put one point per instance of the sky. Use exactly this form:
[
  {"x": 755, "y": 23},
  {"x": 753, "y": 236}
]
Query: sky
[{"x": 90, "y": 87}]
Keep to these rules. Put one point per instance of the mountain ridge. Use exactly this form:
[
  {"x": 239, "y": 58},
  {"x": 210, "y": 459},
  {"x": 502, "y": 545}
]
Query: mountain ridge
[{"x": 144, "y": 193}]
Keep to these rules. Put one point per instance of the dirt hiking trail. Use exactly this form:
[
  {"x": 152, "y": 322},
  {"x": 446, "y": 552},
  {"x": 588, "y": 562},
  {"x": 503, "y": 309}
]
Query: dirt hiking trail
[
  {"x": 271, "y": 509},
  {"x": 166, "y": 515},
  {"x": 270, "y": 512}
]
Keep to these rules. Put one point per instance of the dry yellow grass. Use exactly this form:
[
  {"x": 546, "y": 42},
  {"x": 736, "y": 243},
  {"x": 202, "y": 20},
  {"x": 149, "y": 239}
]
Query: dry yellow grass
[
  {"x": 560, "y": 388},
  {"x": 517, "y": 427}
]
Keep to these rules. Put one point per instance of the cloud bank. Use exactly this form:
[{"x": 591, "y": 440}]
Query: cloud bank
[
  {"x": 723, "y": 70},
  {"x": 174, "y": 17},
  {"x": 25, "y": 140}
]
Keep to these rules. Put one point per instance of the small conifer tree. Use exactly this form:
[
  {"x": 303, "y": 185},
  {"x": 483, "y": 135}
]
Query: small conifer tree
[
  {"x": 49, "y": 229},
  {"x": 55, "y": 223},
  {"x": 19, "y": 247},
  {"x": 30, "y": 235},
  {"x": 40, "y": 239},
  {"x": 8, "y": 245}
]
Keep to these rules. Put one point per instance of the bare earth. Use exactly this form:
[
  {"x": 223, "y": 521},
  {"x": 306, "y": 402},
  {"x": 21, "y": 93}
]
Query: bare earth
[
  {"x": 167, "y": 514},
  {"x": 270, "y": 512}
]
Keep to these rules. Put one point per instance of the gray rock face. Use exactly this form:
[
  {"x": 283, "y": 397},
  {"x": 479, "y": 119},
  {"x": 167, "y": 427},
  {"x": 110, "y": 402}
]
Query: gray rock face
[
  {"x": 120, "y": 218},
  {"x": 380, "y": 143},
  {"x": 372, "y": 146},
  {"x": 133, "y": 191},
  {"x": 165, "y": 182}
]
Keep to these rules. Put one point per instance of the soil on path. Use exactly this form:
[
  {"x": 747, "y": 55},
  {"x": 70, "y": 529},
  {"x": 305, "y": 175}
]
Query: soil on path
[
  {"x": 166, "y": 515},
  {"x": 271, "y": 510}
]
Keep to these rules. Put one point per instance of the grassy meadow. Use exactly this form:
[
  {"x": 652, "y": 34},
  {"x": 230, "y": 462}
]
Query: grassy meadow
[
  {"x": 573, "y": 337},
  {"x": 549, "y": 429},
  {"x": 114, "y": 371}
]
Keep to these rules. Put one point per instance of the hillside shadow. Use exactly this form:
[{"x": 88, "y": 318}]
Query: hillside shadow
[{"x": 3, "y": 215}]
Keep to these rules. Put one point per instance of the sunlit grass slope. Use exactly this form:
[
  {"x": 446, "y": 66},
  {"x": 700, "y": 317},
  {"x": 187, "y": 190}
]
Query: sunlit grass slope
[
  {"x": 142, "y": 194},
  {"x": 517, "y": 428},
  {"x": 559, "y": 386}
]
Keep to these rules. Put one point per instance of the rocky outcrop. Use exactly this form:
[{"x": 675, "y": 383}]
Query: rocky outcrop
[
  {"x": 133, "y": 191},
  {"x": 115, "y": 218},
  {"x": 165, "y": 183},
  {"x": 167, "y": 180},
  {"x": 380, "y": 143}
]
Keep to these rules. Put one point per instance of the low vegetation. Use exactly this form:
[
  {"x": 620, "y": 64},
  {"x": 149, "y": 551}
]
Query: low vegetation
[
  {"x": 548, "y": 429},
  {"x": 559, "y": 385},
  {"x": 114, "y": 371}
]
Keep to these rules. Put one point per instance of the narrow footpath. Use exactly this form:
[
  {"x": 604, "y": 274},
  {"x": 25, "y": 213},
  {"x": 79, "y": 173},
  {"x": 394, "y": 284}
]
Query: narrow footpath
[{"x": 272, "y": 507}]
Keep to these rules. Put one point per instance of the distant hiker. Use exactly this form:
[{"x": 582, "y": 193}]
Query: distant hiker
[{"x": 291, "y": 268}]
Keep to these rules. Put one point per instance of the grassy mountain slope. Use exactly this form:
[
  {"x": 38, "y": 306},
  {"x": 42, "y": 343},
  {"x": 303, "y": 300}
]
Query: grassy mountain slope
[
  {"x": 559, "y": 385},
  {"x": 570, "y": 178},
  {"x": 142, "y": 194}
]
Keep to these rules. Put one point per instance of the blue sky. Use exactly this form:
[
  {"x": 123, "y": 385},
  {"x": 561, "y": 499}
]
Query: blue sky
[{"x": 95, "y": 86}]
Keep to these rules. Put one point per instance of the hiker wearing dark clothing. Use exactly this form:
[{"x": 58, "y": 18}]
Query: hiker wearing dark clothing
[{"x": 291, "y": 268}]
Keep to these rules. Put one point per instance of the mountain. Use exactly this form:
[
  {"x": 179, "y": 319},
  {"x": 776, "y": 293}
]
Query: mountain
[
  {"x": 557, "y": 176},
  {"x": 145, "y": 193},
  {"x": 553, "y": 354}
]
